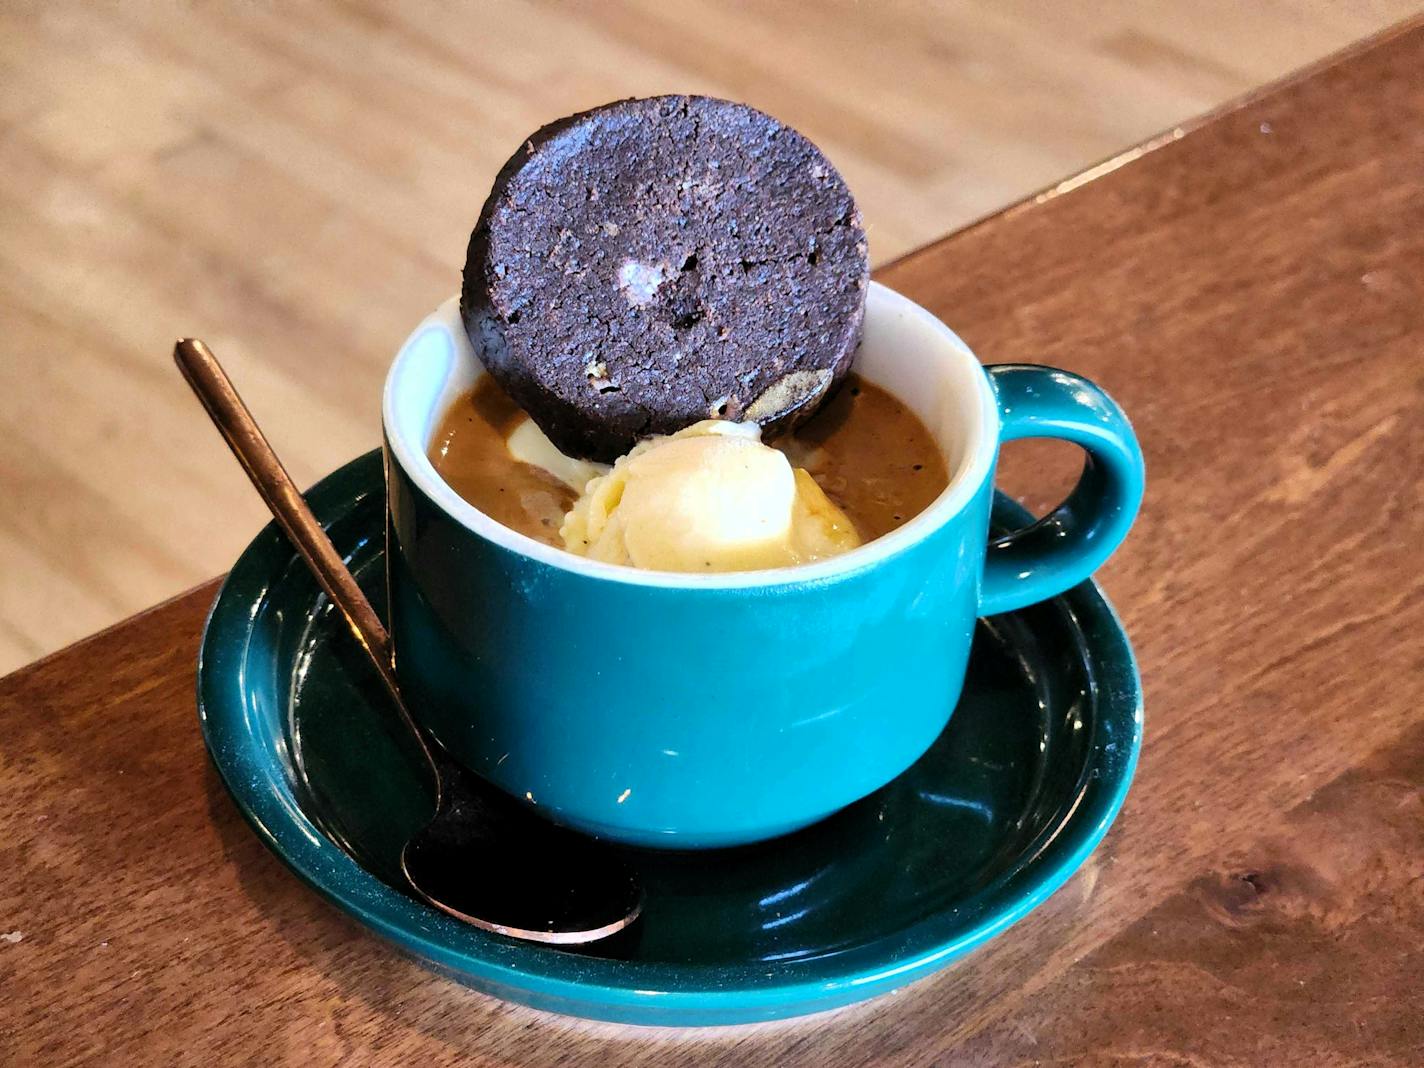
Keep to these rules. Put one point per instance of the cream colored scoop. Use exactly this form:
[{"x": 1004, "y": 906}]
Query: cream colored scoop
[{"x": 711, "y": 497}]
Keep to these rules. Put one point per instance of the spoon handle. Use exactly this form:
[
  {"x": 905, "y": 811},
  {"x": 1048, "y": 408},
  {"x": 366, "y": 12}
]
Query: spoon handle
[{"x": 247, "y": 442}]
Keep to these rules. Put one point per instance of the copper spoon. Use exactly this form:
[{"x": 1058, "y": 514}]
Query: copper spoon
[{"x": 483, "y": 858}]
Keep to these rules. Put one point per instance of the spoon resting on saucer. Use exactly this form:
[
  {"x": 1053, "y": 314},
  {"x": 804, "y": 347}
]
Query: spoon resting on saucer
[{"x": 483, "y": 857}]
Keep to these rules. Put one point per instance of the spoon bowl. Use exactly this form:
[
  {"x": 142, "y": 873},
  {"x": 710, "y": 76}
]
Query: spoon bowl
[{"x": 486, "y": 860}]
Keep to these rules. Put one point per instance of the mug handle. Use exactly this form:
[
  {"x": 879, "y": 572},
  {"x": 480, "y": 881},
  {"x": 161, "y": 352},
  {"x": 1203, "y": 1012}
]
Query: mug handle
[{"x": 1063, "y": 548}]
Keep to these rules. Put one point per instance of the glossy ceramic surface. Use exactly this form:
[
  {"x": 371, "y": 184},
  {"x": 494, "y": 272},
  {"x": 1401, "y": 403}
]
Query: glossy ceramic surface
[
  {"x": 1006, "y": 803},
  {"x": 697, "y": 711}
]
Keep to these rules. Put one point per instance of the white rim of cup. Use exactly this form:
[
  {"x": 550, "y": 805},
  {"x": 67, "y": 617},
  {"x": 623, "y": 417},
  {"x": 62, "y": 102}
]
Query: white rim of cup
[{"x": 973, "y": 469}]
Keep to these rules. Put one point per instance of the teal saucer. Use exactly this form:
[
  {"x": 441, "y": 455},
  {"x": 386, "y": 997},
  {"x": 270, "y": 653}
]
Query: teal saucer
[{"x": 1010, "y": 800}]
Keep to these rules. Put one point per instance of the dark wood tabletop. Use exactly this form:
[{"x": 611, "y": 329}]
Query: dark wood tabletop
[{"x": 1251, "y": 289}]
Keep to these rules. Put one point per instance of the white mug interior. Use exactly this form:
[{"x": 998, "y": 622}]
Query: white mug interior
[{"x": 906, "y": 350}]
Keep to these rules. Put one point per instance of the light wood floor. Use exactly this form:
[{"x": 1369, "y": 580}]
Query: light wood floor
[{"x": 295, "y": 183}]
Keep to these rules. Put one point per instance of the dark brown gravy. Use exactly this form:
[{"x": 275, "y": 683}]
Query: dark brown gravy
[{"x": 869, "y": 453}]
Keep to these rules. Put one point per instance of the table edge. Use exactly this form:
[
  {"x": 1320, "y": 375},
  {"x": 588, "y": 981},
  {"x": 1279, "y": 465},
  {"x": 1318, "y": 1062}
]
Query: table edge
[{"x": 1178, "y": 131}]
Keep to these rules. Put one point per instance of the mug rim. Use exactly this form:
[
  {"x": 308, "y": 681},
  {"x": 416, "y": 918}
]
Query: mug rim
[{"x": 973, "y": 471}]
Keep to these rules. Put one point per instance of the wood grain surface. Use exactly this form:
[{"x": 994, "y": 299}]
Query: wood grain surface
[
  {"x": 1253, "y": 292},
  {"x": 296, "y": 182}
]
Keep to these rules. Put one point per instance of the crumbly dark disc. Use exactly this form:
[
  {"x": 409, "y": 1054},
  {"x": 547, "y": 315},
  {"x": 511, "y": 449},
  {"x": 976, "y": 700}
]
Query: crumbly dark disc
[{"x": 655, "y": 262}]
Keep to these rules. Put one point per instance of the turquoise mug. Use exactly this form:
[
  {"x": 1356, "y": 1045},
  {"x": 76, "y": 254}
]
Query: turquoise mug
[{"x": 695, "y": 711}]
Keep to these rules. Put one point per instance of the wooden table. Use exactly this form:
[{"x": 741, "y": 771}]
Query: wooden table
[{"x": 1252, "y": 290}]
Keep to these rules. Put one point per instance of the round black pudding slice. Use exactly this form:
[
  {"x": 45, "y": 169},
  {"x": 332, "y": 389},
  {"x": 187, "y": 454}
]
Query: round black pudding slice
[{"x": 655, "y": 262}]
